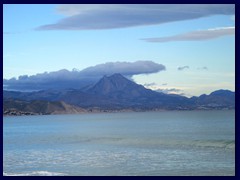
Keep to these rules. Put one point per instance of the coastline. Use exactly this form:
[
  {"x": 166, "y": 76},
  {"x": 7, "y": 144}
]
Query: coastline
[{"x": 13, "y": 112}]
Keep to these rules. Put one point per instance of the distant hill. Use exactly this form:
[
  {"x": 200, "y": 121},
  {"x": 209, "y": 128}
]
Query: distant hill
[
  {"x": 217, "y": 99},
  {"x": 20, "y": 107},
  {"x": 114, "y": 93}
]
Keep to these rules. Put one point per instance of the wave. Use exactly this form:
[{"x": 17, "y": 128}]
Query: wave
[
  {"x": 35, "y": 173},
  {"x": 228, "y": 144},
  {"x": 225, "y": 144},
  {"x": 149, "y": 142}
]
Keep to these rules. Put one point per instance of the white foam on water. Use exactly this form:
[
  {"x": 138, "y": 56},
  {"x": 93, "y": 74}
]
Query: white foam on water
[{"x": 35, "y": 173}]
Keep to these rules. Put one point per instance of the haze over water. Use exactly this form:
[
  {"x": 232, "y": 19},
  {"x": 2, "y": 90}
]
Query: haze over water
[{"x": 147, "y": 143}]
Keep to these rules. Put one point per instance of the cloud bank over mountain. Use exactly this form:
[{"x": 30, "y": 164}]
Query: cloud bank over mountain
[
  {"x": 124, "y": 68},
  {"x": 77, "y": 79},
  {"x": 109, "y": 16}
]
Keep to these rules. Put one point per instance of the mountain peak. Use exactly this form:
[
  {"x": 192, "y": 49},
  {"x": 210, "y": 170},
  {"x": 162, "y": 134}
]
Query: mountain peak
[
  {"x": 117, "y": 86},
  {"x": 109, "y": 84},
  {"x": 116, "y": 75}
]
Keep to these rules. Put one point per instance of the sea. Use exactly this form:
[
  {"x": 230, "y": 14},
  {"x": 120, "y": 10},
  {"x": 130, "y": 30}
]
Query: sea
[{"x": 167, "y": 143}]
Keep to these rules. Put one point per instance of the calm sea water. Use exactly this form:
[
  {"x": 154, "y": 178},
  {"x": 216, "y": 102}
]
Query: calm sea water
[{"x": 169, "y": 143}]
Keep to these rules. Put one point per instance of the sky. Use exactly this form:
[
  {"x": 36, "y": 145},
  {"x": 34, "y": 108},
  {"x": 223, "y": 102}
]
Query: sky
[{"x": 181, "y": 49}]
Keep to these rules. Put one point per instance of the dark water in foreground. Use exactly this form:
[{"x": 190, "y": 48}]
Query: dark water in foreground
[{"x": 169, "y": 143}]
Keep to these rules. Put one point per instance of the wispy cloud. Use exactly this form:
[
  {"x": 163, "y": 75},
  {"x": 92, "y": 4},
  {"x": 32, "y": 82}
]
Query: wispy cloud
[
  {"x": 149, "y": 84},
  {"x": 170, "y": 91},
  {"x": 10, "y": 33},
  {"x": 183, "y": 67},
  {"x": 195, "y": 35},
  {"x": 203, "y": 68},
  {"x": 75, "y": 9},
  {"x": 15, "y": 32},
  {"x": 109, "y": 16},
  {"x": 7, "y": 55},
  {"x": 164, "y": 88}
]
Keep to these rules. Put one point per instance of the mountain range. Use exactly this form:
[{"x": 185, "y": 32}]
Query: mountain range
[{"x": 111, "y": 93}]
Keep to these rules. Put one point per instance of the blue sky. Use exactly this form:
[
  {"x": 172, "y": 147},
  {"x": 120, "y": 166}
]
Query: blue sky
[{"x": 46, "y": 38}]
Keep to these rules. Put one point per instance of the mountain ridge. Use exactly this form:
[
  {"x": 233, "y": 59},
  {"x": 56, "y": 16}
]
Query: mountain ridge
[{"x": 116, "y": 92}]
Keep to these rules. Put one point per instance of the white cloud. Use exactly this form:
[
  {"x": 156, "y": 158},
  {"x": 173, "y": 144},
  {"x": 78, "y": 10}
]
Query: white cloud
[
  {"x": 195, "y": 35},
  {"x": 108, "y": 16}
]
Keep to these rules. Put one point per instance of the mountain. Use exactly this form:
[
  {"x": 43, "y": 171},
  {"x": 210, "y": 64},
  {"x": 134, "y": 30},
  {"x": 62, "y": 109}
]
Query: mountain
[
  {"x": 223, "y": 93},
  {"x": 115, "y": 83},
  {"x": 112, "y": 92},
  {"x": 116, "y": 92},
  {"x": 117, "y": 86},
  {"x": 122, "y": 92},
  {"x": 217, "y": 99}
]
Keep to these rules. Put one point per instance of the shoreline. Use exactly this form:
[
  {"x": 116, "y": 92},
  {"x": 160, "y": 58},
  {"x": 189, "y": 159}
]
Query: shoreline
[{"x": 15, "y": 113}]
